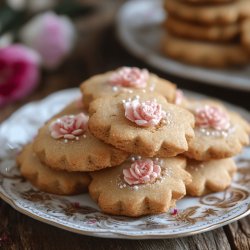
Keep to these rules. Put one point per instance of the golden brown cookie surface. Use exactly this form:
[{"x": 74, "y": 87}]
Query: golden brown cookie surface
[
  {"x": 209, "y": 13},
  {"x": 216, "y": 55},
  {"x": 101, "y": 85},
  {"x": 210, "y": 176},
  {"x": 141, "y": 124},
  {"x": 245, "y": 34},
  {"x": 218, "y": 132},
  {"x": 115, "y": 196},
  {"x": 82, "y": 152},
  {"x": 49, "y": 180},
  {"x": 197, "y": 31}
]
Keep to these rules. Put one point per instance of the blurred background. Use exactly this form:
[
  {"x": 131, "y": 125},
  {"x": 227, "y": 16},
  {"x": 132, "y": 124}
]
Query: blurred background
[{"x": 50, "y": 45}]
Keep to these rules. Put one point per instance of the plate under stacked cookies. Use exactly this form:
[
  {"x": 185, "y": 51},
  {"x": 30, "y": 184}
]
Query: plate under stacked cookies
[
  {"x": 213, "y": 33},
  {"x": 136, "y": 144}
]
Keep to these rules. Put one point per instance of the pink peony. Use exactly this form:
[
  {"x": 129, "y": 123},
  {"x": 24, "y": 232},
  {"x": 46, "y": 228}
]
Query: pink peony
[
  {"x": 69, "y": 126},
  {"x": 130, "y": 77},
  {"x": 211, "y": 117},
  {"x": 52, "y": 36},
  {"x": 144, "y": 114},
  {"x": 142, "y": 171},
  {"x": 19, "y": 72}
]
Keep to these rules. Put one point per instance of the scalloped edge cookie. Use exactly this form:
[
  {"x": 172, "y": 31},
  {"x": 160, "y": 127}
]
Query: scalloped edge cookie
[
  {"x": 98, "y": 86},
  {"x": 204, "y": 148},
  {"x": 85, "y": 154},
  {"x": 108, "y": 123},
  {"x": 47, "y": 179},
  {"x": 114, "y": 196},
  {"x": 210, "y": 176}
]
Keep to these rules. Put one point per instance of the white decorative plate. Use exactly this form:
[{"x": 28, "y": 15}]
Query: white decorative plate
[
  {"x": 139, "y": 29},
  {"x": 81, "y": 215}
]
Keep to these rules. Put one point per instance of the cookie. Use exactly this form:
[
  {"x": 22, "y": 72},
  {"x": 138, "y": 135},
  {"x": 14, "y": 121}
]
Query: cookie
[
  {"x": 197, "y": 31},
  {"x": 207, "y": 54},
  {"x": 219, "y": 133},
  {"x": 141, "y": 123},
  {"x": 210, "y": 176},
  {"x": 125, "y": 79},
  {"x": 140, "y": 186},
  {"x": 209, "y": 13},
  {"x": 65, "y": 143},
  {"x": 49, "y": 180},
  {"x": 245, "y": 34},
  {"x": 208, "y": 1}
]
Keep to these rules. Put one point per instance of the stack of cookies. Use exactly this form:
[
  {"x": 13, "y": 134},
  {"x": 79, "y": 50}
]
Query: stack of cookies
[
  {"x": 212, "y": 33},
  {"x": 136, "y": 144}
]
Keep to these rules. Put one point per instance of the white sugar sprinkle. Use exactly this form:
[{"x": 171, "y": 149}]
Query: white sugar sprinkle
[{"x": 115, "y": 89}]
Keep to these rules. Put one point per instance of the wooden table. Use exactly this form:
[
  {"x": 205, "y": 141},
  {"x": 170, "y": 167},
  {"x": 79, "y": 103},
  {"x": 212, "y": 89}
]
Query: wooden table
[{"x": 100, "y": 51}]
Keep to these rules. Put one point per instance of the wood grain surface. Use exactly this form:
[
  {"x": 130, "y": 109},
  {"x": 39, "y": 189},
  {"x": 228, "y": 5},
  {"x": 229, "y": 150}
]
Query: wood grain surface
[{"x": 98, "y": 50}]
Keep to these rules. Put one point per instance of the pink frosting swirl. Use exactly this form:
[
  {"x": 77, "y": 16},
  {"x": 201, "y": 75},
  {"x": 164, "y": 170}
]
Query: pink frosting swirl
[
  {"x": 144, "y": 114},
  {"x": 211, "y": 117},
  {"x": 141, "y": 172},
  {"x": 69, "y": 126},
  {"x": 130, "y": 77}
]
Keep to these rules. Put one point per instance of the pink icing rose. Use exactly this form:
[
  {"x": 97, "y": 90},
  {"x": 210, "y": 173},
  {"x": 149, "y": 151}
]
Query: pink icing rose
[
  {"x": 211, "y": 117},
  {"x": 19, "y": 72},
  {"x": 144, "y": 114},
  {"x": 52, "y": 36},
  {"x": 130, "y": 77},
  {"x": 69, "y": 126},
  {"x": 141, "y": 172}
]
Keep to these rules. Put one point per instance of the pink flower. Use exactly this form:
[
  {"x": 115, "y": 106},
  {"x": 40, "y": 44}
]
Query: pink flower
[
  {"x": 130, "y": 77},
  {"x": 144, "y": 114},
  {"x": 142, "y": 171},
  {"x": 69, "y": 126},
  {"x": 52, "y": 36},
  {"x": 19, "y": 72},
  {"x": 211, "y": 117}
]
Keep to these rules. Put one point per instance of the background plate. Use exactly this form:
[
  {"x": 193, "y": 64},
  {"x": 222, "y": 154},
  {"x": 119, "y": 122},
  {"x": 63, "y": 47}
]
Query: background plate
[
  {"x": 139, "y": 29},
  {"x": 81, "y": 215}
]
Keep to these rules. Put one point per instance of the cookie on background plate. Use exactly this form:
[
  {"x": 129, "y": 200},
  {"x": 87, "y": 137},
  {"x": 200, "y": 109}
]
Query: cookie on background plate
[
  {"x": 49, "y": 180},
  {"x": 217, "y": 55},
  {"x": 216, "y": 33},
  {"x": 208, "y": 1},
  {"x": 226, "y": 13},
  {"x": 245, "y": 34},
  {"x": 65, "y": 143},
  {"x": 219, "y": 133},
  {"x": 125, "y": 79},
  {"x": 209, "y": 176},
  {"x": 141, "y": 123},
  {"x": 140, "y": 186}
]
